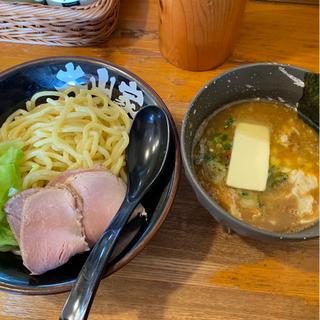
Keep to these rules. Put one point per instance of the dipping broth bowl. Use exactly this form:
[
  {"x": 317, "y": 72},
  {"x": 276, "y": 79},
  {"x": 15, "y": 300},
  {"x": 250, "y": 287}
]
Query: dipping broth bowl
[{"x": 268, "y": 81}]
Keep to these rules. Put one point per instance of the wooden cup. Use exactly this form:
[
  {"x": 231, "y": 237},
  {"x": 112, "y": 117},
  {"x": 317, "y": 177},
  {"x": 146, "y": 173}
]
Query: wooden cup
[{"x": 199, "y": 34}]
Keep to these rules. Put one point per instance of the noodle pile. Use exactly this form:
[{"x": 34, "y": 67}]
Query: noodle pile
[{"x": 78, "y": 129}]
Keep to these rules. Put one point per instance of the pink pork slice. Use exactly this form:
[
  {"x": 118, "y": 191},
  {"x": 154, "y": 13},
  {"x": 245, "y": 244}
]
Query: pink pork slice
[
  {"x": 14, "y": 207},
  {"x": 63, "y": 176},
  {"x": 51, "y": 230},
  {"x": 102, "y": 194}
]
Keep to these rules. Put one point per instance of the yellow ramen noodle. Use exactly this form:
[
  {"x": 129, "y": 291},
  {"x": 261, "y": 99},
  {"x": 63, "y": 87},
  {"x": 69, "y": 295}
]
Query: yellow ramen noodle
[{"x": 79, "y": 129}]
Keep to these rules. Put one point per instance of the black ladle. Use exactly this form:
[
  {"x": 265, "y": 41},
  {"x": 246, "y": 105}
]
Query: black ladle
[{"x": 146, "y": 155}]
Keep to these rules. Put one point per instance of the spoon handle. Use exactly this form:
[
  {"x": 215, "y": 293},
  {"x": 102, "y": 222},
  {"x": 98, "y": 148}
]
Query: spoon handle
[{"x": 82, "y": 293}]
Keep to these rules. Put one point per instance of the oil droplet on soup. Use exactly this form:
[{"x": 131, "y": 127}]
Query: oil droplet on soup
[{"x": 291, "y": 200}]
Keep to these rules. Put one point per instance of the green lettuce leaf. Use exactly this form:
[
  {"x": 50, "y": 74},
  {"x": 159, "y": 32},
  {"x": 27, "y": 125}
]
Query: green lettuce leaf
[
  {"x": 10, "y": 183},
  {"x": 5, "y": 146},
  {"x": 8, "y": 241}
]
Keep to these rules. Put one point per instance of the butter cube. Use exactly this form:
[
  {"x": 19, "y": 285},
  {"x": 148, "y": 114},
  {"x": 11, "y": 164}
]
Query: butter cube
[{"x": 249, "y": 163}]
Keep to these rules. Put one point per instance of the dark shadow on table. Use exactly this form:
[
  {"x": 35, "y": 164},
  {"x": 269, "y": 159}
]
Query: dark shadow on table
[
  {"x": 303, "y": 255},
  {"x": 128, "y": 31},
  {"x": 170, "y": 259}
]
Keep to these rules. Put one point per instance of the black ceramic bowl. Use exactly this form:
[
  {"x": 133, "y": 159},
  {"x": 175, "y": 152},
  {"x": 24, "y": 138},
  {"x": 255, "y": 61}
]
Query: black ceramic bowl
[
  {"x": 17, "y": 85},
  {"x": 262, "y": 80}
]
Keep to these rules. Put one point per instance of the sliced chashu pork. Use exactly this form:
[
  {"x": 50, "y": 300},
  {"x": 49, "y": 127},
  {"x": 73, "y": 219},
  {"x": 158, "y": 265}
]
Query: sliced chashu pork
[
  {"x": 50, "y": 228},
  {"x": 84, "y": 206},
  {"x": 102, "y": 194},
  {"x": 63, "y": 176},
  {"x": 13, "y": 209}
]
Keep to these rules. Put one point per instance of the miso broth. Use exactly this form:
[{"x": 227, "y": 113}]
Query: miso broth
[{"x": 290, "y": 201}]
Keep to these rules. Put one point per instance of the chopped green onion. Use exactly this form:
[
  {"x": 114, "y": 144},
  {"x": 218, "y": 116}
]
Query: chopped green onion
[
  {"x": 276, "y": 177},
  {"x": 227, "y": 146},
  {"x": 228, "y": 123}
]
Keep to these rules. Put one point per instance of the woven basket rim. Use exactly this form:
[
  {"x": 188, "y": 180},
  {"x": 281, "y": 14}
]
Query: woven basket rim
[
  {"x": 35, "y": 9},
  {"x": 57, "y": 25}
]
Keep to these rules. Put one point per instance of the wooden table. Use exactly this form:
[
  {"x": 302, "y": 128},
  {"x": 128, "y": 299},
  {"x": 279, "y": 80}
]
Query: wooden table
[{"x": 192, "y": 269}]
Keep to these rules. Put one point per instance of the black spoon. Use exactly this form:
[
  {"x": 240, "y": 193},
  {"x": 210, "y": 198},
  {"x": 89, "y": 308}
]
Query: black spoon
[{"x": 146, "y": 155}]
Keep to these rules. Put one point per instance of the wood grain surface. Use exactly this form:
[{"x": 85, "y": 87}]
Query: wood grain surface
[
  {"x": 203, "y": 32},
  {"x": 295, "y": 1},
  {"x": 192, "y": 269}
]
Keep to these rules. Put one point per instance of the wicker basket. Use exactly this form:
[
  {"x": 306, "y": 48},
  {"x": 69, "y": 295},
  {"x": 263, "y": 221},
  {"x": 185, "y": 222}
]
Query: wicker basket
[{"x": 62, "y": 26}]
